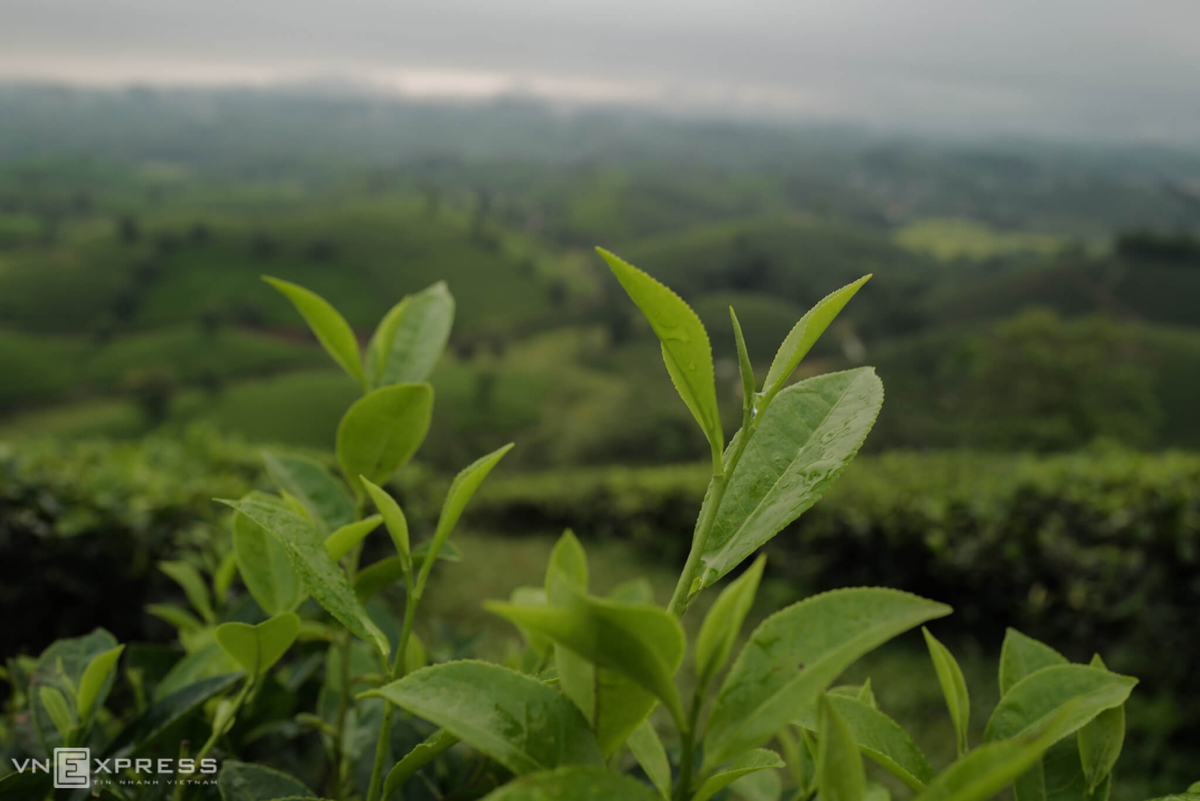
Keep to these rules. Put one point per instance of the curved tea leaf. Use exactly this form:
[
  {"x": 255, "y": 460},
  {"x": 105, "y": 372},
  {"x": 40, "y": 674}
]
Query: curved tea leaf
[
  {"x": 795, "y": 654},
  {"x": 1100, "y": 741},
  {"x": 840, "y": 773},
  {"x": 806, "y": 437},
  {"x": 954, "y": 687},
  {"x": 988, "y": 769},
  {"x": 258, "y": 648},
  {"x": 1021, "y": 655},
  {"x": 745, "y": 369},
  {"x": 332, "y": 330},
  {"x": 96, "y": 682},
  {"x": 567, "y": 577},
  {"x": 393, "y": 518},
  {"x": 880, "y": 738},
  {"x": 162, "y": 715},
  {"x": 308, "y": 481},
  {"x": 263, "y": 562},
  {"x": 1039, "y": 698},
  {"x": 686, "y": 350},
  {"x": 648, "y": 750},
  {"x": 749, "y": 762},
  {"x": 189, "y": 579},
  {"x": 724, "y": 621},
  {"x": 342, "y": 541},
  {"x": 326, "y": 582},
  {"x": 642, "y": 642},
  {"x": 61, "y": 666},
  {"x": 240, "y": 781},
  {"x": 805, "y": 333},
  {"x": 424, "y": 753},
  {"x": 381, "y": 431},
  {"x": 573, "y": 784},
  {"x": 517, "y": 720},
  {"x": 411, "y": 337},
  {"x": 372, "y": 579}
]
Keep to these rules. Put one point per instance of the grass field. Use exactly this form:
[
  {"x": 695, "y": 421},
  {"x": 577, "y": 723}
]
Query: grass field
[{"x": 949, "y": 239}]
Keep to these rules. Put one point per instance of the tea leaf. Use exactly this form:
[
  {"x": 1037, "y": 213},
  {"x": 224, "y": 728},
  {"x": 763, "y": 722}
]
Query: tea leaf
[
  {"x": 724, "y": 621},
  {"x": 804, "y": 440},
  {"x": 342, "y": 541},
  {"x": 309, "y": 482},
  {"x": 193, "y": 586},
  {"x": 1036, "y": 700},
  {"x": 382, "y": 431},
  {"x": 639, "y": 641},
  {"x": 177, "y": 616},
  {"x": 239, "y": 781},
  {"x": 573, "y": 784},
  {"x": 745, "y": 369},
  {"x": 954, "y": 687},
  {"x": 332, "y": 330},
  {"x": 648, "y": 750},
  {"x": 517, "y": 720},
  {"x": 988, "y": 769},
  {"x": 258, "y": 648},
  {"x": 320, "y": 574},
  {"x": 223, "y": 577},
  {"x": 840, "y": 774},
  {"x": 411, "y": 337},
  {"x": 1100, "y": 741},
  {"x": 393, "y": 518},
  {"x": 685, "y": 347},
  {"x": 1021, "y": 655},
  {"x": 763, "y": 785},
  {"x": 567, "y": 576},
  {"x": 414, "y": 760},
  {"x": 264, "y": 564},
  {"x": 880, "y": 738},
  {"x": 747, "y": 763},
  {"x": 532, "y": 596},
  {"x": 372, "y": 579},
  {"x": 457, "y": 498},
  {"x": 61, "y": 666},
  {"x": 805, "y": 334},
  {"x": 96, "y": 682},
  {"x": 162, "y": 715},
  {"x": 60, "y": 713},
  {"x": 795, "y": 654}
]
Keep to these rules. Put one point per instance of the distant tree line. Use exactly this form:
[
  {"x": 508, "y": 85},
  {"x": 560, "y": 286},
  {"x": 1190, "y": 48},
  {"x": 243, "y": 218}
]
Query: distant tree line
[{"x": 1145, "y": 244}]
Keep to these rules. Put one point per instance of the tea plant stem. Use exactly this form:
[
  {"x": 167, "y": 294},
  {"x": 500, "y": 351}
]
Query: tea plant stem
[
  {"x": 217, "y": 732},
  {"x": 397, "y": 671},
  {"x": 687, "y": 756}
]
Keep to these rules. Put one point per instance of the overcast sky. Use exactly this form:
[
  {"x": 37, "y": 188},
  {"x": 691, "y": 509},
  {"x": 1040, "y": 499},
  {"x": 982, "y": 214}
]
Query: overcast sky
[{"x": 1099, "y": 68}]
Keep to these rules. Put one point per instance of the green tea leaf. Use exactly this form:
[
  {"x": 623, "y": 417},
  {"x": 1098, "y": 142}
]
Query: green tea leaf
[
  {"x": 375, "y": 578},
  {"x": 332, "y": 330},
  {"x": 634, "y": 591},
  {"x": 749, "y": 762},
  {"x": 239, "y": 781},
  {"x": 532, "y": 596},
  {"x": 805, "y": 334},
  {"x": 795, "y": 654},
  {"x": 517, "y": 720},
  {"x": 642, "y": 642},
  {"x": 745, "y": 369},
  {"x": 724, "y": 621},
  {"x": 162, "y": 716},
  {"x": 1039, "y": 698},
  {"x": 61, "y": 667},
  {"x": 342, "y": 541},
  {"x": 424, "y": 753},
  {"x": 1021, "y": 655},
  {"x": 457, "y": 498},
  {"x": 1100, "y": 741},
  {"x": 23, "y": 786},
  {"x": 411, "y": 337},
  {"x": 804, "y": 440},
  {"x": 96, "y": 682},
  {"x": 264, "y": 564},
  {"x": 193, "y": 586},
  {"x": 58, "y": 709},
  {"x": 685, "y": 345},
  {"x": 177, "y": 616},
  {"x": 954, "y": 688},
  {"x": 566, "y": 577},
  {"x": 393, "y": 518},
  {"x": 258, "y": 648},
  {"x": 224, "y": 576},
  {"x": 573, "y": 784},
  {"x": 840, "y": 773},
  {"x": 203, "y": 663},
  {"x": 308, "y": 481},
  {"x": 763, "y": 785},
  {"x": 648, "y": 750},
  {"x": 382, "y": 431},
  {"x": 306, "y": 552},
  {"x": 880, "y": 738},
  {"x": 990, "y": 768}
]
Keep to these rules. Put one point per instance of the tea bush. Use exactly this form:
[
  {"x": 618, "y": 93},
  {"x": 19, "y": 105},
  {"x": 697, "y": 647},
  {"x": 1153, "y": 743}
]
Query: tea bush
[{"x": 557, "y": 722}]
